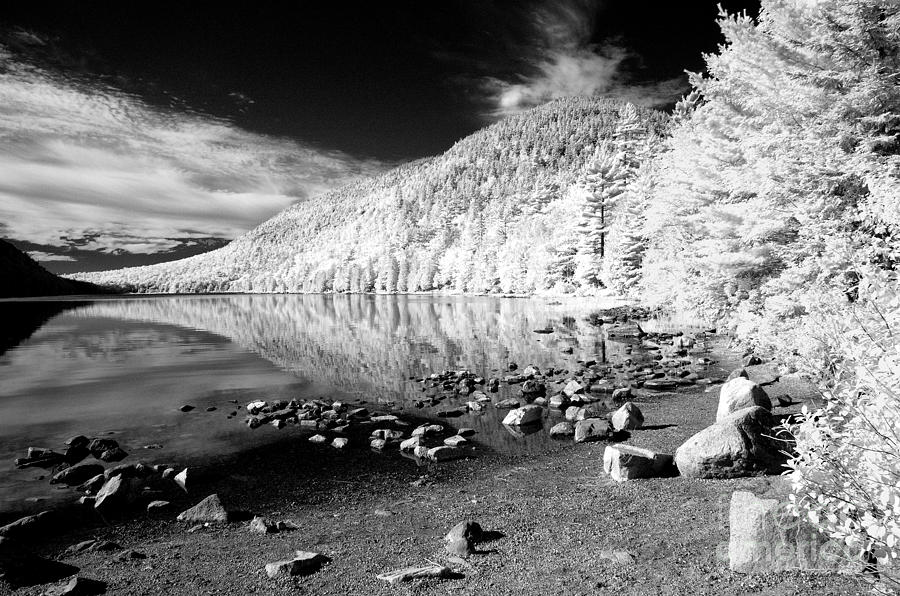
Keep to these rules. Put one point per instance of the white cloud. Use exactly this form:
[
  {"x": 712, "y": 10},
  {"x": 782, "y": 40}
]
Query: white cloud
[
  {"x": 38, "y": 255},
  {"x": 91, "y": 163},
  {"x": 564, "y": 63}
]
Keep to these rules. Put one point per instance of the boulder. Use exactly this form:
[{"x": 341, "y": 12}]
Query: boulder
[
  {"x": 181, "y": 479},
  {"x": 209, "y": 509},
  {"x": 559, "y": 401},
  {"x": 573, "y": 387},
  {"x": 593, "y": 429},
  {"x": 77, "y": 474},
  {"x": 532, "y": 388},
  {"x": 738, "y": 445},
  {"x": 738, "y": 373},
  {"x": 625, "y": 462},
  {"x": 78, "y": 586},
  {"x": 523, "y": 415},
  {"x": 445, "y": 453},
  {"x": 562, "y": 430},
  {"x": 740, "y": 393},
  {"x": 427, "y": 430},
  {"x": 303, "y": 563},
  {"x": 411, "y": 443},
  {"x": 628, "y": 417},
  {"x": 28, "y": 526},
  {"x": 621, "y": 394},
  {"x": 261, "y": 525},
  {"x": 115, "y": 495},
  {"x": 767, "y": 538},
  {"x": 466, "y": 530}
]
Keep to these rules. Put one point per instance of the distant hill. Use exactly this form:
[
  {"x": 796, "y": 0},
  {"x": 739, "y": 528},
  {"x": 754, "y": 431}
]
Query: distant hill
[
  {"x": 21, "y": 276},
  {"x": 495, "y": 213}
]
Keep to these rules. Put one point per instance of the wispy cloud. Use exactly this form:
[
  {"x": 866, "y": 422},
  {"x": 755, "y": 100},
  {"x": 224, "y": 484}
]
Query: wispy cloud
[
  {"x": 88, "y": 166},
  {"x": 38, "y": 255},
  {"x": 563, "y": 61}
]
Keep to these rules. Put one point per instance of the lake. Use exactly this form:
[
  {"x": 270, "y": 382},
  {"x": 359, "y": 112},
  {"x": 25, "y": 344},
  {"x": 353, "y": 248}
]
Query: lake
[{"x": 122, "y": 367}]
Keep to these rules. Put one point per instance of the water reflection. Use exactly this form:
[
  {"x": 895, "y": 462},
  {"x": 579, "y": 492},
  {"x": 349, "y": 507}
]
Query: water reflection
[{"x": 125, "y": 365}]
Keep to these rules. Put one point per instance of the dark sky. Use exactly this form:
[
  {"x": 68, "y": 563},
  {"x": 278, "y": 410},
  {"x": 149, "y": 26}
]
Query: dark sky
[{"x": 361, "y": 86}]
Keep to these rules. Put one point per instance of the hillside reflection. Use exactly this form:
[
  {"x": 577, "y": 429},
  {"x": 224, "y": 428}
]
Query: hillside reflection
[{"x": 371, "y": 344}]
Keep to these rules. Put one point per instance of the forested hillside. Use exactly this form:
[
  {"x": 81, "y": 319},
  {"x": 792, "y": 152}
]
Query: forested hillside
[{"x": 519, "y": 207}]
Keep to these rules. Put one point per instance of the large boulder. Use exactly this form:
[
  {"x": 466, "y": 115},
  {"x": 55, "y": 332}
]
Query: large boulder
[
  {"x": 767, "y": 538},
  {"x": 740, "y": 393},
  {"x": 523, "y": 415},
  {"x": 116, "y": 495},
  {"x": 740, "y": 444},
  {"x": 625, "y": 462}
]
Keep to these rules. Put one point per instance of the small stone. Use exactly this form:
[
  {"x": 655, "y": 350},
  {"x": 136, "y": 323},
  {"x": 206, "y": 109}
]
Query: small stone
[
  {"x": 621, "y": 394},
  {"x": 186, "y": 408},
  {"x": 440, "y": 454},
  {"x": 412, "y": 573},
  {"x": 181, "y": 479},
  {"x": 261, "y": 525},
  {"x": 255, "y": 407},
  {"x": 340, "y": 442},
  {"x": 427, "y": 430},
  {"x": 78, "y": 586},
  {"x": 113, "y": 454},
  {"x": 466, "y": 432},
  {"x": 455, "y": 441},
  {"x": 562, "y": 429},
  {"x": 573, "y": 387},
  {"x": 318, "y": 439},
  {"x": 524, "y": 415},
  {"x": 378, "y": 444},
  {"x": 158, "y": 507},
  {"x": 209, "y": 509},
  {"x": 303, "y": 563},
  {"x": 507, "y": 403}
]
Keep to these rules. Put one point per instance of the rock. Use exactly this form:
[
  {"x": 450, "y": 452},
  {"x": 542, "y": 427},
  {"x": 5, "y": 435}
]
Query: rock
[
  {"x": 77, "y": 474},
  {"x": 531, "y": 388},
  {"x": 573, "y": 412},
  {"x": 186, "y": 408},
  {"x": 286, "y": 526},
  {"x": 427, "y": 430},
  {"x": 261, "y": 525},
  {"x": 340, "y": 442},
  {"x": 738, "y": 445},
  {"x": 475, "y": 406},
  {"x": 113, "y": 454},
  {"x": 76, "y": 453},
  {"x": 181, "y": 479},
  {"x": 114, "y": 496},
  {"x": 621, "y": 394},
  {"x": 303, "y": 563},
  {"x": 460, "y": 547},
  {"x": 158, "y": 507},
  {"x": 738, "y": 373},
  {"x": 466, "y": 432},
  {"x": 445, "y": 453},
  {"x": 318, "y": 439},
  {"x": 209, "y": 510},
  {"x": 28, "y": 526},
  {"x": 562, "y": 430},
  {"x": 78, "y": 441},
  {"x": 630, "y": 329},
  {"x": 767, "y": 538},
  {"x": 98, "y": 446},
  {"x": 523, "y": 415},
  {"x": 255, "y": 407},
  {"x": 625, "y": 462},
  {"x": 628, "y": 417},
  {"x": 559, "y": 401},
  {"x": 378, "y": 444},
  {"x": 94, "y": 545},
  {"x": 661, "y": 384},
  {"x": 78, "y": 586},
  {"x": 466, "y": 530},
  {"x": 531, "y": 371},
  {"x": 412, "y": 573},
  {"x": 43, "y": 458},
  {"x": 455, "y": 441},
  {"x": 752, "y": 360},
  {"x": 740, "y": 393},
  {"x": 593, "y": 429},
  {"x": 618, "y": 557},
  {"x": 452, "y": 413},
  {"x": 411, "y": 443},
  {"x": 420, "y": 451},
  {"x": 507, "y": 404},
  {"x": 573, "y": 387},
  {"x": 387, "y": 434}
]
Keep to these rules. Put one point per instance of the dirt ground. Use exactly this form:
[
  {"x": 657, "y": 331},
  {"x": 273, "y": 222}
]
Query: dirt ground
[{"x": 560, "y": 519}]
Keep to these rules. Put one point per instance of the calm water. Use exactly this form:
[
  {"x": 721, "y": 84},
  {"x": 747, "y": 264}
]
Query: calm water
[{"x": 123, "y": 367}]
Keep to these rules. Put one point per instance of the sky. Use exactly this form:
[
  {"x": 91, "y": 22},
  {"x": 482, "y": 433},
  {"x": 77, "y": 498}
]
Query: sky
[{"x": 142, "y": 131}]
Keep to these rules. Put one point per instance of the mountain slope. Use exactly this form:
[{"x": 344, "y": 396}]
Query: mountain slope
[
  {"x": 495, "y": 213},
  {"x": 20, "y": 276}
]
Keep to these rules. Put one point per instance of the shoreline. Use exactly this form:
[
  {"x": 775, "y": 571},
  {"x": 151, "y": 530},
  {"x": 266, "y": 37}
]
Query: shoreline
[{"x": 565, "y": 524}]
